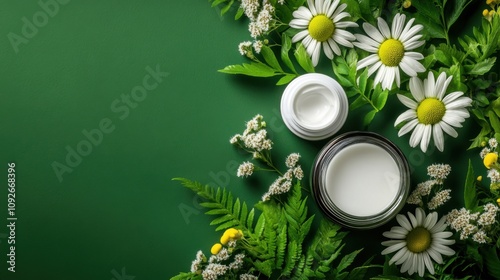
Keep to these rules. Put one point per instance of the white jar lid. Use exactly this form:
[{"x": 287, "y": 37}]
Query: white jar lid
[{"x": 314, "y": 106}]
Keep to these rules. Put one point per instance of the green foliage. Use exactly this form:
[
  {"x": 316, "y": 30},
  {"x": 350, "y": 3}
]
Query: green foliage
[
  {"x": 187, "y": 276},
  {"x": 470, "y": 196},
  {"x": 225, "y": 6},
  {"x": 438, "y": 24},
  {"x": 359, "y": 87},
  {"x": 276, "y": 244}
]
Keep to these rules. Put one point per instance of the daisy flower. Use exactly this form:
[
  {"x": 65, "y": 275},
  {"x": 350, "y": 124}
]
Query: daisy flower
[
  {"x": 418, "y": 240},
  {"x": 322, "y": 25},
  {"x": 431, "y": 112},
  {"x": 391, "y": 48}
]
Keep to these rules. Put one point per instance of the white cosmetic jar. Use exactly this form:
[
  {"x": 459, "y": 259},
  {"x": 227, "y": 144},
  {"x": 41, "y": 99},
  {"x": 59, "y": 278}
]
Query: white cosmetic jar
[
  {"x": 360, "y": 180},
  {"x": 314, "y": 106}
]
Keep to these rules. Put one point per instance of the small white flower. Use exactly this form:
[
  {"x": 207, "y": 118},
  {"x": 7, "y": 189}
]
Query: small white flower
[
  {"x": 298, "y": 173},
  {"x": 254, "y": 29},
  {"x": 439, "y": 172},
  {"x": 494, "y": 175},
  {"x": 484, "y": 151},
  {"x": 264, "y": 19},
  {"x": 250, "y": 7},
  {"x": 291, "y": 160},
  {"x": 322, "y": 25},
  {"x": 247, "y": 276},
  {"x": 493, "y": 143},
  {"x": 417, "y": 241},
  {"x": 439, "y": 199},
  {"x": 391, "y": 48},
  {"x": 245, "y": 169},
  {"x": 480, "y": 237},
  {"x": 257, "y": 46},
  {"x": 431, "y": 112},
  {"x": 243, "y": 47}
]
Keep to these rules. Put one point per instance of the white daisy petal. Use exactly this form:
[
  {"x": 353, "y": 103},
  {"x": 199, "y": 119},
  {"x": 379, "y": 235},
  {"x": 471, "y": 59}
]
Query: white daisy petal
[
  {"x": 310, "y": 4},
  {"x": 345, "y": 24},
  {"x": 365, "y": 41},
  {"x": 391, "y": 242},
  {"x": 316, "y": 53},
  {"x": 408, "y": 127},
  {"x": 384, "y": 28},
  {"x": 302, "y": 13},
  {"x": 437, "y": 135},
  {"x": 413, "y": 45},
  {"x": 426, "y": 137},
  {"x": 413, "y": 220},
  {"x": 373, "y": 32},
  {"x": 401, "y": 256},
  {"x": 417, "y": 89},
  {"x": 318, "y": 5},
  {"x": 367, "y": 61},
  {"x": 453, "y": 120},
  {"x": 452, "y": 96},
  {"x": 333, "y": 45},
  {"x": 328, "y": 51},
  {"x": 429, "y": 85},
  {"x": 374, "y": 67},
  {"x": 393, "y": 248},
  {"x": 416, "y": 135},
  {"x": 448, "y": 129},
  {"x": 341, "y": 16},
  {"x": 459, "y": 103},
  {"x": 443, "y": 234},
  {"x": 339, "y": 10},
  {"x": 406, "y": 116},
  {"x": 393, "y": 235},
  {"x": 420, "y": 216},
  {"x": 428, "y": 262},
  {"x": 435, "y": 255},
  {"x": 300, "y": 36},
  {"x": 407, "y": 101},
  {"x": 299, "y": 23},
  {"x": 397, "y": 25},
  {"x": 404, "y": 222},
  {"x": 410, "y": 33},
  {"x": 442, "y": 84},
  {"x": 332, "y": 8}
]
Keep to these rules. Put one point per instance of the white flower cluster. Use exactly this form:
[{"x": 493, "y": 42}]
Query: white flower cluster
[
  {"x": 254, "y": 137},
  {"x": 245, "y": 169},
  {"x": 439, "y": 172},
  {"x": 473, "y": 225},
  {"x": 439, "y": 199},
  {"x": 247, "y": 276},
  {"x": 238, "y": 262},
  {"x": 490, "y": 148},
  {"x": 213, "y": 271},
  {"x": 283, "y": 184},
  {"x": 196, "y": 264},
  {"x": 261, "y": 22}
]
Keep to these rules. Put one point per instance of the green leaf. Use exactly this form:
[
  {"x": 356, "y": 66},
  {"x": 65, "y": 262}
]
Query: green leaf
[
  {"x": 379, "y": 98},
  {"x": 482, "y": 67},
  {"x": 369, "y": 117},
  {"x": 470, "y": 198},
  {"x": 253, "y": 69},
  {"x": 494, "y": 121},
  {"x": 250, "y": 218},
  {"x": 491, "y": 261},
  {"x": 221, "y": 220},
  {"x": 291, "y": 258},
  {"x": 457, "y": 9},
  {"x": 259, "y": 227},
  {"x": 228, "y": 224},
  {"x": 270, "y": 58},
  {"x": 226, "y": 8},
  {"x": 353, "y": 9},
  {"x": 362, "y": 82},
  {"x": 286, "y": 79},
  {"x": 265, "y": 267},
  {"x": 217, "y": 2},
  {"x": 303, "y": 58},
  {"x": 239, "y": 13},
  {"x": 286, "y": 45},
  {"x": 281, "y": 241},
  {"x": 347, "y": 260}
]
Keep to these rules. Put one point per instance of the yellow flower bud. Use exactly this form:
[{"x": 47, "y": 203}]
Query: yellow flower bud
[
  {"x": 490, "y": 159},
  {"x": 406, "y": 4},
  {"x": 486, "y": 12},
  {"x": 231, "y": 232},
  {"x": 216, "y": 248},
  {"x": 240, "y": 233},
  {"x": 498, "y": 201},
  {"x": 489, "y": 2},
  {"x": 479, "y": 178},
  {"x": 224, "y": 239}
]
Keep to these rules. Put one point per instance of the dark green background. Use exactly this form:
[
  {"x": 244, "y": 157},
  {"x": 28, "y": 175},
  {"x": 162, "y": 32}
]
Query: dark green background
[{"x": 118, "y": 210}]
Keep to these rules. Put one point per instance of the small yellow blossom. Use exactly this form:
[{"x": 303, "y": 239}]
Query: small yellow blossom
[
  {"x": 406, "y": 4},
  {"x": 479, "y": 178},
  {"x": 216, "y": 248},
  {"x": 498, "y": 201},
  {"x": 486, "y": 12},
  {"x": 490, "y": 159},
  {"x": 224, "y": 239},
  {"x": 489, "y": 2}
]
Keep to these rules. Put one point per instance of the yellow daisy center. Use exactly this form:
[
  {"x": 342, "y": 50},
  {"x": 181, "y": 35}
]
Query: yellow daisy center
[
  {"x": 321, "y": 28},
  {"x": 391, "y": 52},
  {"x": 418, "y": 240},
  {"x": 430, "y": 111}
]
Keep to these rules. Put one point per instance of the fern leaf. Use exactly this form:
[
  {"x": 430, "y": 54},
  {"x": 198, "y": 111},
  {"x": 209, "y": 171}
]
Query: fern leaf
[
  {"x": 347, "y": 260},
  {"x": 228, "y": 224},
  {"x": 281, "y": 240},
  {"x": 291, "y": 258},
  {"x": 259, "y": 227},
  {"x": 250, "y": 218}
]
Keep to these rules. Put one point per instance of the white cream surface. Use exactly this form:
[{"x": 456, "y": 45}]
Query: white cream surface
[
  {"x": 362, "y": 179},
  {"x": 315, "y": 106}
]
